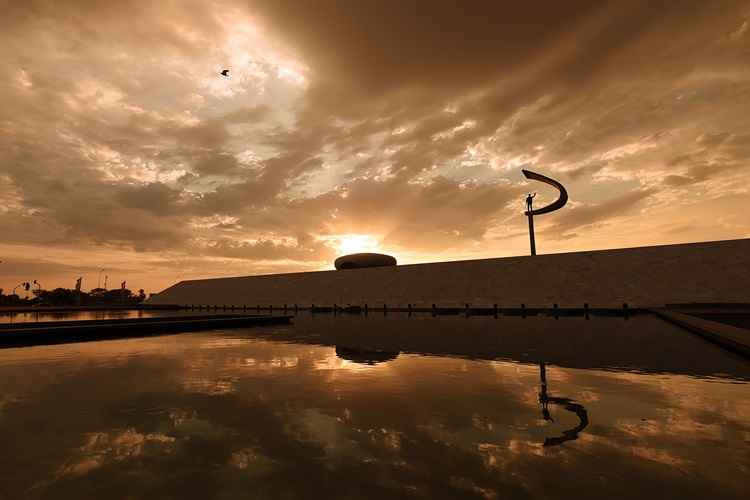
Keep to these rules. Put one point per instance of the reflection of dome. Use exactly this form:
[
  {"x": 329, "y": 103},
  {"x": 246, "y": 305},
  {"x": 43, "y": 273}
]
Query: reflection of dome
[
  {"x": 360, "y": 260},
  {"x": 365, "y": 356}
]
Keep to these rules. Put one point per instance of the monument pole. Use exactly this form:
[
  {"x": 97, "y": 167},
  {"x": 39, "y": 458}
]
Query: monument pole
[
  {"x": 531, "y": 234},
  {"x": 555, "y": 205}
]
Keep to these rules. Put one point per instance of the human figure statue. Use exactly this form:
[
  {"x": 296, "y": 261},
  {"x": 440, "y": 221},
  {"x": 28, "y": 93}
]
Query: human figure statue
[{"x": 528, "y": 201}]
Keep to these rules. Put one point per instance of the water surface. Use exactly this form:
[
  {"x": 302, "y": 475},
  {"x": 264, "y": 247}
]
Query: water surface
[
  {"x": 32, "y": 316},
  {"x": 380, "y": 408}
]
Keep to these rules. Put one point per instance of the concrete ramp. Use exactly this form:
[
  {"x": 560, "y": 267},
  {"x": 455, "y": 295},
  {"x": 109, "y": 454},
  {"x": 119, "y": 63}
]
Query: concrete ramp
[{"x": 642, "y": 277}]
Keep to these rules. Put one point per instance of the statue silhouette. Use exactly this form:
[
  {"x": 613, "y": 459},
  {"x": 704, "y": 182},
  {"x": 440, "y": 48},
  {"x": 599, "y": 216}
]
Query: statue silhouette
[{"x": 528, "y": 201}]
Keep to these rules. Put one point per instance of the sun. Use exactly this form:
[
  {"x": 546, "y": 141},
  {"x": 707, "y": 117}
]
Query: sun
[{"x": 356, "y": 243}]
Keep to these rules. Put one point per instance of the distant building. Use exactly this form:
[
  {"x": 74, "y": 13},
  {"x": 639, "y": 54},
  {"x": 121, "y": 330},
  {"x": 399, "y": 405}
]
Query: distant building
[
  {"x": 706, "y": 272},
  {"x": 362, "y": 260}
]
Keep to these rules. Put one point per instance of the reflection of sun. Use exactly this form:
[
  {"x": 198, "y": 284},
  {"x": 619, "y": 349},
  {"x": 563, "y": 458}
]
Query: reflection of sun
[{"x": 357, "y": 243}]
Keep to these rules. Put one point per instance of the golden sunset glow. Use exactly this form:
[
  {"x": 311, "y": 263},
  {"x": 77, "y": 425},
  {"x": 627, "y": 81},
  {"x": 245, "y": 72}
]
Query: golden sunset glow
[
  {"x": 357, "y": 243},
  {"x": 380, "y": 127}
]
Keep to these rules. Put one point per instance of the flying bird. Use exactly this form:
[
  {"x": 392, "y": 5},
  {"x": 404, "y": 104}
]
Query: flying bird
[{"x": 225, "y": 73}]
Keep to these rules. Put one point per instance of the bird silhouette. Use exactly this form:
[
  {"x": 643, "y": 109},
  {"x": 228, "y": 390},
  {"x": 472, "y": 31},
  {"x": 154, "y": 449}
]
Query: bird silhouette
[{"x": 225, "y": 73}]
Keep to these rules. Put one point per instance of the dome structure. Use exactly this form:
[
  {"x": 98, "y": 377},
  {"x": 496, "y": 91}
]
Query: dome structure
[
  {"x": 365, "y": 356},
  {"x": 362, "y": 260}
]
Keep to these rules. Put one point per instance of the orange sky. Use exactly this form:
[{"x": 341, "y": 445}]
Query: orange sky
[{"x": 344, "y": 126}]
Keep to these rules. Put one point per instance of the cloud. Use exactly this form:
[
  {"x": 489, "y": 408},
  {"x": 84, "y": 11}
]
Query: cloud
[
  {"x": 270, "y": 250},
  {"x": 409, "y": 122},
  {"x": 581, "y": 216}
]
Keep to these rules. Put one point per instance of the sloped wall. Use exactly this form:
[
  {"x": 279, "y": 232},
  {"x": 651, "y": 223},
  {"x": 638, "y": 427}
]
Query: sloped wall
[{"x": 646, "y": 276}]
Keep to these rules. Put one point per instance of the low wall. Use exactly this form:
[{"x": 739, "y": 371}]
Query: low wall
[{"x": 643, "y": 277}]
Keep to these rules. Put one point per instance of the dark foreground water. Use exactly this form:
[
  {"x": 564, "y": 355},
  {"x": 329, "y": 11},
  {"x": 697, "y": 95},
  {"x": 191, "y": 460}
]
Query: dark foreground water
[{"x": 353, "y": 408}]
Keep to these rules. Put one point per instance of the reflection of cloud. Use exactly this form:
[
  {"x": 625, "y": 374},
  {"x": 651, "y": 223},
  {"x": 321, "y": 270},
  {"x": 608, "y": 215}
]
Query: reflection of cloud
[
  {"x": 186, "y": 423},
  {"x": 101, "y": 448},
  {"x": 6, "y": 399},
  {"x": 465, "y": 483},
  {"x": 495, "y": 456},
  {"x": 209, "y": 386},
  {"x": 660, "y": 456},
  {"x": 268, "y": 365},
  {"x": 387, "y": 439},
  {"x": 326, "y": 431},
  {"x": 427, "y": 422},
  {"x": 653, "y": 454},
  {"x": 334, "y": 362},
  {"x": 676, "y": 422},
  {"x": 252, "y": 462}
]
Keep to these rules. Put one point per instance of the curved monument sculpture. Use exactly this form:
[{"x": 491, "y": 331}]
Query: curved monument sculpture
[
  {"x": 555, "y": 205},
  {"x": 363, "y": 260},
  {"x": 558, "y": 203},
  {"x": 567, "y": 403}
]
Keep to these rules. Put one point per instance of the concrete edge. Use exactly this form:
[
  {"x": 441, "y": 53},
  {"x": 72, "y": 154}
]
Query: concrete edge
[
  {"x": 29, "y": 335},
  {"x": 729, "y": 337}
]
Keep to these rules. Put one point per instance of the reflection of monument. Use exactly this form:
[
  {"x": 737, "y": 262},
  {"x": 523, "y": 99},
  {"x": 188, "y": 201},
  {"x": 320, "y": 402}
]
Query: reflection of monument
[
  {"x": 566, "y": 403},
  {"x": 559, "y": 203},
  {"x": 365, "y": 356},
  {"x": 360, "y": 260}
]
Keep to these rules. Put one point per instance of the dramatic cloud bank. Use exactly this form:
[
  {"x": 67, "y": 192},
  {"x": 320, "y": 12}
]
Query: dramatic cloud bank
[{"x": 394, "y": 126}]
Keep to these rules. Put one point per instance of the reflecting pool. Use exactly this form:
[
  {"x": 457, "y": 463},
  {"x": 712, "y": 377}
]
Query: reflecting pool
[
  {"x": 378, "y": 407},
  {"x": 34, "y": 316}
]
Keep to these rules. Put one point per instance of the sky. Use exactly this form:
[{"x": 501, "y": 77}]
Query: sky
[{"x": 395, "y": 127}]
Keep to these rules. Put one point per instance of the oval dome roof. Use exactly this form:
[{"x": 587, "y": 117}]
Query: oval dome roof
[{"x": 362, "y": 260}]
